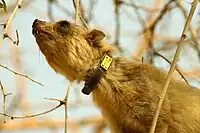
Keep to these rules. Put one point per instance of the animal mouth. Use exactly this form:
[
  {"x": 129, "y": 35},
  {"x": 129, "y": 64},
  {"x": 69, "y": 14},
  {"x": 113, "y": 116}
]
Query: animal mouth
[
  {"x": 36, "y": 32},
  {"x": 40, "y": 32}
]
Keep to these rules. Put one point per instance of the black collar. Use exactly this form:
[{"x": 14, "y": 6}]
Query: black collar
[{"x": 97, "y": 75}]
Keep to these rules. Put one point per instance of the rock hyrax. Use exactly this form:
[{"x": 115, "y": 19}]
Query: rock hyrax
[{"x": 128, "y": 92}]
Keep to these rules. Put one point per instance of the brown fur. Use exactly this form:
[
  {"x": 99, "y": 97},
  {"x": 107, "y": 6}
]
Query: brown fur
[{"x": 129, "y": 91}]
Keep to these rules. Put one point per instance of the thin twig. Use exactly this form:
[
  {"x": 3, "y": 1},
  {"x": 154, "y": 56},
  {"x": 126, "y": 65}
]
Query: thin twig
[
  {"x": 144, "y": 8},
  {"x": 147, "y": 35},
  {"x": 175, "y": 60},
  {"x": 117, "y": 23},
  {"x": 20, "y": 74},
  {"x": 14, "y": 42},
  {"x": 4, "y": 100},
  {"x": 61, "y": 102},
  {"x": 19, "y": 3},
  {"x": 148, "y": 32},
  {"x": 17, "y": 42},
  {"x": 54, "y": 99},
  {"x": 83, "y": 21},
  {"x": 32, "y": 115},
  {"x": 79, "y": 15},
  {"x": 77, "y": 11},
  {"x": 160, "y": 16},
  {"x": 177, "y": 68},
  {"x": 192, "y": 32},
  {"x": 66, "y": 105}
]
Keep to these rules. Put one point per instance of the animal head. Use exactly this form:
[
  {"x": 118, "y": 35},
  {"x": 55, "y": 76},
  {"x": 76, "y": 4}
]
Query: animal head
[{"x": 70, "y": 49}]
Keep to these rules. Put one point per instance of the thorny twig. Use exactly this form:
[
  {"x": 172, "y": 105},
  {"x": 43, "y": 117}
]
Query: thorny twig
[
  {"x": 5, "y": 33},
  {"x": 20, "y": 74},
  {"x": 4, "y": 99},
  {"x": 175, "y": 60}
]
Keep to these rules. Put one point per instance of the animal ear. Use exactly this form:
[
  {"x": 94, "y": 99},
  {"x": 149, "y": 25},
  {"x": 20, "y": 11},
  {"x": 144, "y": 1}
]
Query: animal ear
[{"x": 95, "y": 36}]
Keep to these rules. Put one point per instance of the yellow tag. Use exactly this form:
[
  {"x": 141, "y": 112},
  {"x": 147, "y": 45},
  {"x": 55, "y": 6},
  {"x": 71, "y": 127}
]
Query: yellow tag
[{"x": 107, "y": 60}]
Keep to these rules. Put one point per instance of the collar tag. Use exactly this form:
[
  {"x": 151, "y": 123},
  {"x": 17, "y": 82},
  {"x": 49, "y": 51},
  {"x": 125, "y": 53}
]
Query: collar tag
[
  {"x": 97, "y": 75},
  {"x": 105, "y": 64}
]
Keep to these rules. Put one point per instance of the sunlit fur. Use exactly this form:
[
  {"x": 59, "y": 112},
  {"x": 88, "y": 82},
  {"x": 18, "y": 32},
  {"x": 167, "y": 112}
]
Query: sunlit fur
[{"x": 129, "y": 91}]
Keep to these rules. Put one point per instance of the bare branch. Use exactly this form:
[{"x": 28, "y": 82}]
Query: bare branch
[
  {"x": 66, "y": 105},
  {"x": 10, "y": 20},
  {"x": 170, "y": 73},
  {"x": 79, "y": 15},
  {"x": 32, "y": 115},
  {"x": 20, "y": 74},
  {"x": 77, "y": 11},
  {"x": 4, "y": 99},
  {"x": 177, "y": 68},
  {"x": 192, "y": 32},
  {"x": 117, "y": 23}
]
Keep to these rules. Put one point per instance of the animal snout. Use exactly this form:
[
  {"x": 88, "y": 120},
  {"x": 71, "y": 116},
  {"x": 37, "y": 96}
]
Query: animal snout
[{"x": 37, "y": 25}]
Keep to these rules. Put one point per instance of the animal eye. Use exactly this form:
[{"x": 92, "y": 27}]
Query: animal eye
[{"x": 63, "y": 25}]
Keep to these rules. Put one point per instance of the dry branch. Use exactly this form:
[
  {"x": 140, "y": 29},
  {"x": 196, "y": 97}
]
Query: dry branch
[
  {"x": 48, "y": 123},
  {"x": 20, "y": 74},
  {"x": 177, "y": 68},
  {"x": 5, "y": 33},
  {"x": 170, "y": 73},
  {"x": 4, "y": 99},
  {"x": 66, "y": 106},
  {"x": 192, "y": 32}
]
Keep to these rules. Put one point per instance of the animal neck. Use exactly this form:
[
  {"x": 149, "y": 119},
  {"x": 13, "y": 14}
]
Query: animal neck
[
  {"x": 90, "y": 61},
  {"x": 94, "y": 75},
  {"x": 84, "y": 69}
]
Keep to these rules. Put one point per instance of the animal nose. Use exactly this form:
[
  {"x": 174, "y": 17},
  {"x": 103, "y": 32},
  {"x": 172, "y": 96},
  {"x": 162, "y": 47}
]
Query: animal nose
[
  {"x": 36, "y": 21},
  {"x": 37, "y": 24}
]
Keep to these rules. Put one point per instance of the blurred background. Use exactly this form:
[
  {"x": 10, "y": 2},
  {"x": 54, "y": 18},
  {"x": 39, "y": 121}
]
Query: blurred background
[{"x": 142, "y": 30}]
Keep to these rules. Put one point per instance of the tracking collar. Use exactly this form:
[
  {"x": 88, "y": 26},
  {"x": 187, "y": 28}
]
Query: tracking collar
[{"x": 97, "y": 75}]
